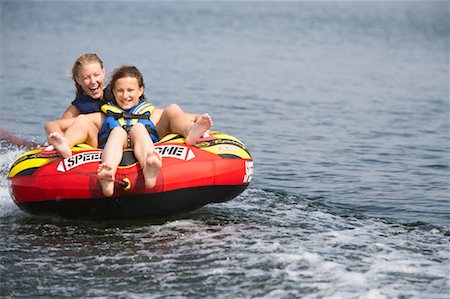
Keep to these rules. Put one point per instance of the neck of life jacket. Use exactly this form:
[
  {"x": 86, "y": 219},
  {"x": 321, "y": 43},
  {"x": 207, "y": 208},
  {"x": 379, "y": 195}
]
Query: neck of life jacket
[
  {"x": 86, "y": 104},
  {"x": 116, "y": 116}
]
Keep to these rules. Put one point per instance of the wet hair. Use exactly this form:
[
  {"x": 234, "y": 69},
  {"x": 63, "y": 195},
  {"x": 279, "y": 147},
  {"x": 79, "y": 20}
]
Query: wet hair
[
  {"x": 125, "y": 71},
  {"x": 79, "y": 63}
]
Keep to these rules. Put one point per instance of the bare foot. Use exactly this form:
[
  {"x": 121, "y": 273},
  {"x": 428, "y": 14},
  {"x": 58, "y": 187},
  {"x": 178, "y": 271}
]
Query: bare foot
[
  {"x": 106, "y": 178},
  {"x": 60, "y": 143},
  {"x": 203, "y": 124},
  {"x": 153, "y": 164}
]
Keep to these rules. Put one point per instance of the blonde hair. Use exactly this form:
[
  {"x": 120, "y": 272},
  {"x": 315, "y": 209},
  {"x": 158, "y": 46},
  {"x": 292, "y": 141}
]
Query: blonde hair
[{"x": 79, "y": 63}]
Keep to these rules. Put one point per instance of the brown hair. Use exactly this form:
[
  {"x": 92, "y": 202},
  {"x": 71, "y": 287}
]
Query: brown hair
[
  {"x": 127, "y": 71},
  {"x": 79, "y": 63}
]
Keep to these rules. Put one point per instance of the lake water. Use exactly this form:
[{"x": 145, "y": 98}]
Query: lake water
[{"x": 343, "y": 105}]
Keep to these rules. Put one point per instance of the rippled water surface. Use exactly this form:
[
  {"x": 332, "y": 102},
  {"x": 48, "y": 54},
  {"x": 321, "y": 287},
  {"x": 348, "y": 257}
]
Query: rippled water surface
[{"x": 343, "y": 105}]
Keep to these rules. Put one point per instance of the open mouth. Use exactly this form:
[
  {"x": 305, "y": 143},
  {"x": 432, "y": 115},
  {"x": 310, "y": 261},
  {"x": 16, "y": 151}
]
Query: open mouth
[{"x": 95, "y": 90}]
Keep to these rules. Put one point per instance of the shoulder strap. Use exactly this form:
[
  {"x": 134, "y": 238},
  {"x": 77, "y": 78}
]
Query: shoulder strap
[
  {"x": 109, "y": 109},
  {"x": 143, "y": 108}
]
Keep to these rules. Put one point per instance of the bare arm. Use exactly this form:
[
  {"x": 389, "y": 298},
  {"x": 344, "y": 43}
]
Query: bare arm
[{"x": 71, "y": 112}]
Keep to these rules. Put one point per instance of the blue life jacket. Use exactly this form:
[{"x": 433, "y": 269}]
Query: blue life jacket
[
  {"x": 116, "y": 116},
  {"x": 86, "y": 104}
]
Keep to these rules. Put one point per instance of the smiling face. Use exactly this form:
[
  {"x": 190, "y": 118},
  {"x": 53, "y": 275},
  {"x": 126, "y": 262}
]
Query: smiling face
[
  {"x": 127, "y": 91},
  {"x": 91, "y": 77}
]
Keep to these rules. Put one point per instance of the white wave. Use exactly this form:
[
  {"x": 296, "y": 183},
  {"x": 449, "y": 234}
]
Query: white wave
[{"x": 7, "y": 205}]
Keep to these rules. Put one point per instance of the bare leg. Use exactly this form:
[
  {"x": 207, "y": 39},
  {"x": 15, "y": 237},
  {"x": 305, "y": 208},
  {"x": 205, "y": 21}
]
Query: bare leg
[
  {"x": 105, "y": 175},
  {"x": 84, "y": 129},
  {"x": 145, "y": 153},
  {"x": 175, "y": 120},
  {"x": 60, "y": 144},
  {"x": 59, "y": 125},
  {"x": 81, "y": 129},
  {"x": 153, "y": 164},
  {"x": 112, "y": 154},
  {"x": 203, "y": 124}
]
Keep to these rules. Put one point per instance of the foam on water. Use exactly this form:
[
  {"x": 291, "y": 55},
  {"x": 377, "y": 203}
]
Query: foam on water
[
  {"x": 321, "y": 255},
  {"x": 7, "y": 156}
]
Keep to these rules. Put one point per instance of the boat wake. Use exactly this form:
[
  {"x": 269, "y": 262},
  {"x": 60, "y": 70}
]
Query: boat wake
[
  {"x": 295, "y": 244},
  {"x": 8, "y": 154}
]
